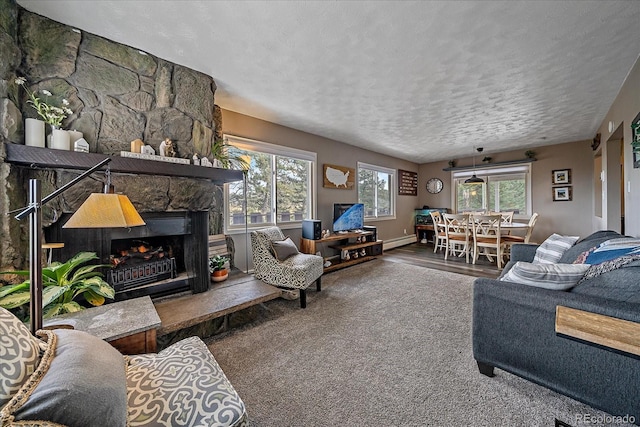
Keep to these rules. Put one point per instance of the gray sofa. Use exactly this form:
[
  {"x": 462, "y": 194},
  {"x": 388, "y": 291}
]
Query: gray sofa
[{"x": 514, "y": 330}]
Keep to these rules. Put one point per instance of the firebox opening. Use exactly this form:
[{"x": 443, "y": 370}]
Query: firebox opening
[
  {"x": 130, "y": 252},
  {"x": 140, "y": 261}
]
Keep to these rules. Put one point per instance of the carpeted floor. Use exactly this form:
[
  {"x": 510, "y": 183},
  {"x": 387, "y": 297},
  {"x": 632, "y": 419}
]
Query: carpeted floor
[{"x": 383, "y": 344}]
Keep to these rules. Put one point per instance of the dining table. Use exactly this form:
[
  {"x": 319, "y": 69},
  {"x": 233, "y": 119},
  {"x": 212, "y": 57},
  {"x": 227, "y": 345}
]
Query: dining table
[{"x": 514, "y": 225}]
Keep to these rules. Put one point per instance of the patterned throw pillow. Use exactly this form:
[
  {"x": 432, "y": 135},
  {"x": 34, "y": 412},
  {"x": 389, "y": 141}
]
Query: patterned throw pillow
[
  {"x": 283, "y": 249},
  {"x": 612, "y": 249},
  {"x": 559, "y": 277},
  {"x": 607, "y": 266},
  {"x": 551, "y": 250},
  {"x": 19, "y": 355}
]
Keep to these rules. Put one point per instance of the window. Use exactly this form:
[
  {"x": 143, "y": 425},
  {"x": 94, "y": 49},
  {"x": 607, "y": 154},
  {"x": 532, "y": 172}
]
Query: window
[
  {"x": 279, "y": 186},
  {"x": 505, "y": 189},
  {"x": 375, "y": 185}
]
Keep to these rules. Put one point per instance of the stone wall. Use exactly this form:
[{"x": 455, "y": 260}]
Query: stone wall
[{"x": 117, "y": 94}]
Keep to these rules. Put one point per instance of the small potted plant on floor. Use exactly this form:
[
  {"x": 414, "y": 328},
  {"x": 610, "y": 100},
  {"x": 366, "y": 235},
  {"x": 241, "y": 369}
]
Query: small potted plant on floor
[{"x": 218, "y": 268}]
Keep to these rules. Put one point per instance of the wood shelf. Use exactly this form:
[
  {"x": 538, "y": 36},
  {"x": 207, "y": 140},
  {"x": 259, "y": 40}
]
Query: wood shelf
[
  {"x": 341, "y": 242},
  {"x": 352, "y": 246},
  {"x": 45, "y": 158},
  {"x": 337, "y": 263},
  {"x": 489, "y": 165}
]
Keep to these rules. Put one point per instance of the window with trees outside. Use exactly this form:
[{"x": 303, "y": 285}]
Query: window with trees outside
[
  {"x": 375, "y": 191},
  {"x": 279, "y": 186},
  {"x": 504, "y": 189}
]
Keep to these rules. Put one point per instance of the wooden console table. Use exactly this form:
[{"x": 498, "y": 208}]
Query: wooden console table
[
  {"x": 129, "y": 326},
  {"x": 340, "y": 242},
  {"x": 428, "y": 229},
  {"x": 610, "y": 332}
]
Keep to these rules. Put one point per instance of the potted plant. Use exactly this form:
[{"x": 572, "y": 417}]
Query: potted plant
[
  {"x": 63, "y": 284},
  {"x": 225, "y": 156},
  {"x": 218, "y": 268}
]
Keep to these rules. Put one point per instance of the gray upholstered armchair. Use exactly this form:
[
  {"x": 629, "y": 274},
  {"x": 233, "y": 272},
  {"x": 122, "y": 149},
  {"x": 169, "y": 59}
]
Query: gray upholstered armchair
[{"x": 277, "y": 262}]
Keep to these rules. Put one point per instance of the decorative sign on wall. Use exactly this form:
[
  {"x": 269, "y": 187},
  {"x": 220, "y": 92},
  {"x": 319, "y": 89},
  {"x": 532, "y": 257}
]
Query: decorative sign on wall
[
  {"x": 338, "y": 177},
  {"x": 635, "y": 141},
  {"x": 407, "y": 183}
]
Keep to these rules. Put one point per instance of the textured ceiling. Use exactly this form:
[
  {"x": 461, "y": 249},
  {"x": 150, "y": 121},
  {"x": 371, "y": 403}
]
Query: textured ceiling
[{"x": 422, "y": 81}]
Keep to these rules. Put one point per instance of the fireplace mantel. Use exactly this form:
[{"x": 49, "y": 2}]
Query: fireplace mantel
[{"x": 41, "y": 158}]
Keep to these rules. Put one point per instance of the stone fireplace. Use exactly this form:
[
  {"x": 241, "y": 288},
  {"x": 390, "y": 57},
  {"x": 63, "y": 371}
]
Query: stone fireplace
[
  {"x": 181, "y": 205},
  {"x": 117, "y": 94}
]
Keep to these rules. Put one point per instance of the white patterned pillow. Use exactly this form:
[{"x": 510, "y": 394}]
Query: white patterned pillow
[
  {"x": 551, "y": 250},
  {"x": 559, "y": 277},
  {"x": 19, "y": 355}
]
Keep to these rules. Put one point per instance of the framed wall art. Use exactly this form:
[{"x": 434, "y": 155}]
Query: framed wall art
[
  {"x": 338, "y": 177},
  {"x": 561, "y": 177},
  {"x": 562, "y": 194}
]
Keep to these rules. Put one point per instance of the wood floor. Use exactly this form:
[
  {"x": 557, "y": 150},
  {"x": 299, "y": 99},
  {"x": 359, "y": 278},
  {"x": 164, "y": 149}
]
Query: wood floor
[{"x": 422, "y": 255}]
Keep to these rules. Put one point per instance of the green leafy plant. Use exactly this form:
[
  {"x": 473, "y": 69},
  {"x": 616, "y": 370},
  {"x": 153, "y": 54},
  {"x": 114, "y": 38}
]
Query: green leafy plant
[
  {"x": 216, "y": 263},
  {"x": 51, "y": 114},
  {"x": 227, "y": 155},
  {"x": 529, "y": 154},
  {"x": 62, "y": 284}
]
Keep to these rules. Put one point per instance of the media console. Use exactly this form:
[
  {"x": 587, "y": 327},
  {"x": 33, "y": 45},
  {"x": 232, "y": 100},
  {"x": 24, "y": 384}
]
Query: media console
[{"x": 344, "y": 242}]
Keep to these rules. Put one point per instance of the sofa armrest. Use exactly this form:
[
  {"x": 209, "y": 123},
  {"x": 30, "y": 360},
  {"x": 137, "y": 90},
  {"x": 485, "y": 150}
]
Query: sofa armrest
[
  {"x": 523, "y": 252},
  {"x": 514, "y": 329}
]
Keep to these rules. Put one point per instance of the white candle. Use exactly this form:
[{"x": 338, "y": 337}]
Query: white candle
[{"x": 34, "y": 132}]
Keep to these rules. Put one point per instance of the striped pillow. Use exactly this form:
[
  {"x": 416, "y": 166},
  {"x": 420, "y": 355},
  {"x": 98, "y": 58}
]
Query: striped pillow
[
  {"x": 558, "y": 277},
  {"x": 551, "y": 250}
]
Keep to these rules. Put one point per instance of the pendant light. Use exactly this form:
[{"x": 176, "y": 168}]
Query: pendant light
[{"x": 474, "y": 179}]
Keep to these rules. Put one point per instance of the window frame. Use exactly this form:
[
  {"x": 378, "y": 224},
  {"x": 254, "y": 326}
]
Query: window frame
[
  {"x": 497, "y": 172},
  {"x": 393, "y": 173},
  {"x": 272, "y": 150}
]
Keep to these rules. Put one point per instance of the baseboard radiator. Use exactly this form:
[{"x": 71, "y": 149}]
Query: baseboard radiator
[{"x": 398, "y": 241}]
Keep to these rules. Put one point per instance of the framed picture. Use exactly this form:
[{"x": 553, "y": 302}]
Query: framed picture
[
  {"x": 340, "y": 177},
  {"x": 562, "y": 194},
  {"x": 561, "y": 176}
]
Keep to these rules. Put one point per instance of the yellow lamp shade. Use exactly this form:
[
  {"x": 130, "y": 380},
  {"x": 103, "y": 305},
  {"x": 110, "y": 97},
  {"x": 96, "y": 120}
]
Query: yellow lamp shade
[{"x": 105, "y": 211}]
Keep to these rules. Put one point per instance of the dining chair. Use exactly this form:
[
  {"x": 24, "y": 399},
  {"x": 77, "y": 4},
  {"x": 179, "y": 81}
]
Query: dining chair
[
  {"x": 487, "y": 237},
  {"x": 507, "y": 217},
  {"x": 458, "y": 233},
  {"x": 440, "y": 234},
  {"x": 511, "y": 239}
]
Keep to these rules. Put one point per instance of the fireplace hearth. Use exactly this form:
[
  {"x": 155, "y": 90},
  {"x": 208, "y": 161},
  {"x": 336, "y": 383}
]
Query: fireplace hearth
[{"x": 167, "y": 256}]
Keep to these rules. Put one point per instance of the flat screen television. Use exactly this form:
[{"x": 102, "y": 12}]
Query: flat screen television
[{"x": 348, "y": 216}]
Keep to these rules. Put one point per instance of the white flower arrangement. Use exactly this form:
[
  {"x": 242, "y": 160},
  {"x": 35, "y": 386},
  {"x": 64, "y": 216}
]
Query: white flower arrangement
[{"x": 51, "y": 114}]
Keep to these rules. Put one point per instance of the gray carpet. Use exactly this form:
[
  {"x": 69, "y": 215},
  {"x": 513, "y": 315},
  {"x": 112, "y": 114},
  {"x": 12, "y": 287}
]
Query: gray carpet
[{"x": 383, "y": 344}]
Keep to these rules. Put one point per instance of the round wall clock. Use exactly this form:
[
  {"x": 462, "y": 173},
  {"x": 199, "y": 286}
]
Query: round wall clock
[{"x": 434, "y": 185}]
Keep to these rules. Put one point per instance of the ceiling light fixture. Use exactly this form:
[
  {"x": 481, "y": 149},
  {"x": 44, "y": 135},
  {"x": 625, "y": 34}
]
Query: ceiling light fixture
[{"x": 474, "y": 179}]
